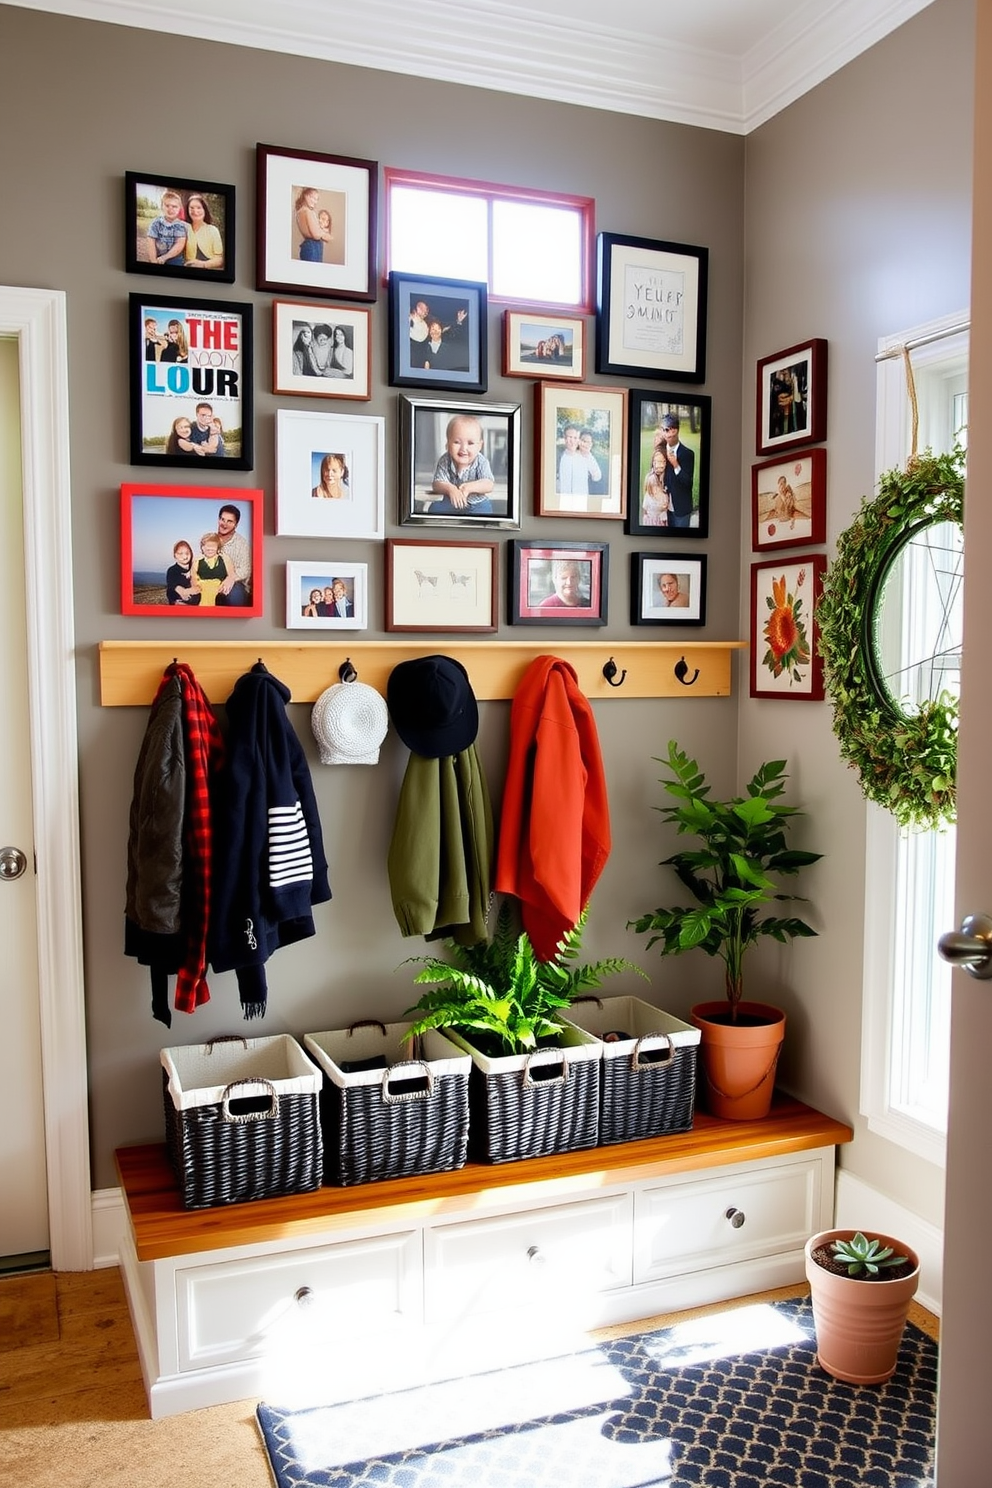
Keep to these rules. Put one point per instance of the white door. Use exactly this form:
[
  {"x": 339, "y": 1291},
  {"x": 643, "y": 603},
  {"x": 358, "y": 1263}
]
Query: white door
[
  {"x": 24, "y": 1220},
  {"x": 964, "y": 1422}
]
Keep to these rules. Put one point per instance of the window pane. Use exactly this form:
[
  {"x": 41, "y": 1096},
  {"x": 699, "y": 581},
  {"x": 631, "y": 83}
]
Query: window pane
[
  {"x": 439, "y": 233},
  {"x": 537, "y": 253}
]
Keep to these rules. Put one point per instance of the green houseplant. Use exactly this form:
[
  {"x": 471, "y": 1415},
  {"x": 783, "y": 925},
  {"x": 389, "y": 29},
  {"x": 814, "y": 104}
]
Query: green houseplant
[
  {"x": 861, "y": 1287},
  {"x": 742, "y": 844}
]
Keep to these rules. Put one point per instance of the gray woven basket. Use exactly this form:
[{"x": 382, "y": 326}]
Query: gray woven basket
[{"x": 648, "y": 1085}]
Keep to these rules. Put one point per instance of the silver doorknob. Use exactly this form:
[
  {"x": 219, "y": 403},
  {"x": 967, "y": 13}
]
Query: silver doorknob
[
  {"x": 12, "y": 862},
  {"x": 971, "y": 946},
  {"x": 736, "y": 1217}
]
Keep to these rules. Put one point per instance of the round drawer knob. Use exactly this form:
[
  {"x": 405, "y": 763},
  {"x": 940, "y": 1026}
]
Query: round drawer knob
[
  {"x": 306, "y": 1297},
  {"x": 736, "y": 1217},
  {"x": 536, "y": 1256}
]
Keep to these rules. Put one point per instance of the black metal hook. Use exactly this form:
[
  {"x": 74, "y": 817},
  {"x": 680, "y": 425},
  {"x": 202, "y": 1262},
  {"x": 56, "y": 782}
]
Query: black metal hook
[
  {"x": 610, "y": 671},
  {"x": 346, "y": 672},
  {"x": 681, "y": 668}
]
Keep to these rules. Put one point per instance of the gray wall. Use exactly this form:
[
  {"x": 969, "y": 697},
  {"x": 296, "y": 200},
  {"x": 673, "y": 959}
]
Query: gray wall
[{"x": 133, "y": 100}]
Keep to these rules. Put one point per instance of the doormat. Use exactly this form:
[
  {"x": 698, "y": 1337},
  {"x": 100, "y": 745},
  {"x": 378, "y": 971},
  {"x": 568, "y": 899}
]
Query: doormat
[{"x": 732, "y": 1400}]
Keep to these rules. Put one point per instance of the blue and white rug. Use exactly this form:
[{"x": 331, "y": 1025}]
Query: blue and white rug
[{"x": 732, "y": 1400}]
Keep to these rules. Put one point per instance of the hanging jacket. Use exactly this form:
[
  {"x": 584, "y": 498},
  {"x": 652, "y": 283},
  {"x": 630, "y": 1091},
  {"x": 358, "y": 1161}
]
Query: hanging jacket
[{"x": 269, "y": 863}]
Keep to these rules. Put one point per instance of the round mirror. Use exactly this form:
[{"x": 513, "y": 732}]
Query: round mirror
[{"x": 915, "y": 619}]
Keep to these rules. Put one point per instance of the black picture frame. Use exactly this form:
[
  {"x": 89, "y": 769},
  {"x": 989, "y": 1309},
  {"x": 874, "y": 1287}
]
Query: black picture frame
[
  {"x": 344, "y": 187},
  {"x": 460, "y": 307},
  {"x": 534, "y": 597},
  {"x": 144, "y": 191},
  {"x": 651, "y": 308},
  {"x": 212, "y": 364},
  {"x": 655, "y": 600},
  {"x": 647, "y": 413}
]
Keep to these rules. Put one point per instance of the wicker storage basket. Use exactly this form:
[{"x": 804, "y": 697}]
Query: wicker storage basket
[
  {"x": 241, "y": 1119},
  {"x": 405, "y": 1115},
  {"x": 648, "y": 1081},
  {"x": 530, "y": 1105}
]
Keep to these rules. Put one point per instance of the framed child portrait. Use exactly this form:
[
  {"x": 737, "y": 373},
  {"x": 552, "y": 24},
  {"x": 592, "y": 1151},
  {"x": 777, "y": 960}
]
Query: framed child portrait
[
  {"x": 667, "y": 589},
  {"x": 459, "y": 463},
  {"x": 540, "y": 345},
  {"x": 175, "y": 226},
  {"x": 669, "y": 464},
  {"x": 791, "y": 401},
  {"x": 789, "y": 501},
  {"x": 321, "y": 351},
  {"x": 191, "y": 550},
  {"x": 327, "y": 596},
  {"x": 441, "y": 585},
  {"x": 191, "y": 383},
  {"x": 558, "y": 583},
  {"x": 330, "y": 475},
  {"x": 784, "y": 655},
  {"x": 438, "y": 333},
  {"x": 316, "y": 223},
  {"x": 580, "y": 445}
]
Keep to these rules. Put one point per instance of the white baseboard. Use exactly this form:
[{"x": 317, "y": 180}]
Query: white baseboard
[
  {"x": 109, "y": 1226},
  {"x": 858, "y": 1206}
]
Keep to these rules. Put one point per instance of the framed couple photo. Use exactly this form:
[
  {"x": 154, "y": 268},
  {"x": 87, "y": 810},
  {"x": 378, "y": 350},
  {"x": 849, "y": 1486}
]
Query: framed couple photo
[
  {"x": 580, "y": 445},
  {"x": 438, "y": 335},
  {"x": 179, "y": 227},
  {"x": 669, "y": 464}
]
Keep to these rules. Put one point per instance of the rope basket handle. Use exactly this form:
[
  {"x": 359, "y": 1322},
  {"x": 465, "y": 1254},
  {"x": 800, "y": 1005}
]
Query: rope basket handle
[
  {"x": 368, "y": 1023},
  {"x": 588, "y": 997},
  {"x": 246, "y": 1117},
  {"x": 550, "y": 1056},
  {"x": 427, "y": 1093},
  {"x": 649, "y": 1040},
  {"x": 225, "y": 1038}
]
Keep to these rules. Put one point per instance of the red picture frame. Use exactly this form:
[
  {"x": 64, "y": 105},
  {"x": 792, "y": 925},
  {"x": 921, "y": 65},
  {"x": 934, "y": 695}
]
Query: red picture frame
[
  {"x": 789, "y": 501},
  {"x": 791, "y": 401},
  {"x": 785, "y": 660},
  {"x": 156, "y": 520}
]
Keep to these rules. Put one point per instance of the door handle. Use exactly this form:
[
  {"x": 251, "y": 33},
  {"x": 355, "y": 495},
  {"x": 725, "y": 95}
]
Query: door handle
[
  {"x": 12, "y": 862},
  {"x": 971, "y": 946}
]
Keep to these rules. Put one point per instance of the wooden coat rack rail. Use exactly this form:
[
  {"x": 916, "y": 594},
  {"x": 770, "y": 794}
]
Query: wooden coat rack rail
[{"x": 130, "y": 671}]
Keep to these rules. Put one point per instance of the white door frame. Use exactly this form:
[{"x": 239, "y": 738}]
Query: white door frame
[{"x": 37, "y": 318}]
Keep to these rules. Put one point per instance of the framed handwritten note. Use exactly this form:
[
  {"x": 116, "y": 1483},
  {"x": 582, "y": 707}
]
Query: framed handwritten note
[{"x": 651, "y": 308}]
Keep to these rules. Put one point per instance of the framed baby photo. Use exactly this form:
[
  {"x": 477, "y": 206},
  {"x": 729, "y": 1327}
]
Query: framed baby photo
[
  {"x": 175, "y": 226},
  {"x": 789, "y": 501},
  {"x": 330, "y": 475},
  {"x": 321, "y": 351},
  {"x": 438, "y": 333},
  {"x": 191, "y": 383},
  {"x": 191, "y": 550},
  {"x": 784, "y": 654},
  {"x": 459, "y": 463},
  {"x": 667, "y": 589},
  {"x": 791, "y": 400},
  {"x": 316, "y": 223},
  {"x": 669, "y": 464},
  {"x": 441, "y": 585},
  {"x": 558, "y": 583},
  {"x": 651, "y": 308},
  {"x": 580, "y": 445},
  {"x": 327, "y": 596},
  {"x": 546, "y": 346}
]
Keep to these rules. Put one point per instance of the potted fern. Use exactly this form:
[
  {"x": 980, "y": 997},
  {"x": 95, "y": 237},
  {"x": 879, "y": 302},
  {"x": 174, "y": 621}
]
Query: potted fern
[
  {"x": 534, "y": 1083},
  {"x": 731, "y": 876},
  {"x": 861, "y": 1287}
]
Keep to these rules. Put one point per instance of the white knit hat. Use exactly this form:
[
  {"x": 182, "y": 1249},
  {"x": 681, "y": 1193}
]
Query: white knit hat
[{"x": 349, "y": 722}]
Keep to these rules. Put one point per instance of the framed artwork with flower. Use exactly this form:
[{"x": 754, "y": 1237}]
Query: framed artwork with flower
[{"x": 785, "y": 659}]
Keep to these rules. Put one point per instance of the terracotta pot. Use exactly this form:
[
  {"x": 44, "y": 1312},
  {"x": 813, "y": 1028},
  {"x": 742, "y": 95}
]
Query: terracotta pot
[
  {"x": 859, "y": 1324},
  {"x": 739, "y": 1059}
]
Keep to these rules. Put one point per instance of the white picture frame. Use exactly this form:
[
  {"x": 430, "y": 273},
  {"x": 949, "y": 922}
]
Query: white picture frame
[
  {"x": 305, "y": 578},
  {"x": 303, "y": 442}
]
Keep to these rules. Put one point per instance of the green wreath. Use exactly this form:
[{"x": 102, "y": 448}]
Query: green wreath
[{"x": 906, "y": 763}]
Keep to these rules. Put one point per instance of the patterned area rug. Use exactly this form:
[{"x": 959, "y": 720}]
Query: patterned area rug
[{"x": 732, "y": 1400}]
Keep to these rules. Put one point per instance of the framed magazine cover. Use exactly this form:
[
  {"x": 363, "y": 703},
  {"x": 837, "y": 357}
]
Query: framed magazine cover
[{"x": 192, "y": 551}]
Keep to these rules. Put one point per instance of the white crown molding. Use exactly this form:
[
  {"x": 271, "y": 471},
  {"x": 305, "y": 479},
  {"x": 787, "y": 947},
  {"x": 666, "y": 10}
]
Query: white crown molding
[{"x": 517, "y": 49}]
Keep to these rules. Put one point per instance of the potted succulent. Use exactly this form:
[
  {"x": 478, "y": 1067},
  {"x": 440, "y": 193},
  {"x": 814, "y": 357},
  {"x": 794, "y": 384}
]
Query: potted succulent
[
  {"x": 534, "y": 1083},
  {"x": 730, "y": 876},
  {"x": 861, "y": 1287}
]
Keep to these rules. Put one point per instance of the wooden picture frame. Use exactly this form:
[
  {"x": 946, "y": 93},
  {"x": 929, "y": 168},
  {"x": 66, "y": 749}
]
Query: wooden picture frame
[
  {"x": 789, "y": 501},
  {"x": 791, "y": 397},
  {"x": 157, "y": 520},
  {"x": 785, "y": 659},
  {"x": 187, "y": 355},
  {"x": 563, "y": 583},
  {"x": 536, "y": 344},
  {"x": 667, "y": 589},
  {"x": 294, "y": 187},
  {"x": 148, "y": 205},
  {"x": 435, "y": 586},
  {"x": 651, "y": 308},
  {"x": 342, "y": 595},
  {"x": 668, "y": 461},
  {"x": 321, "y": 351},
  {"x": 424, "y": 430},
  {"x": 456, "y": 359},
  {"x": 587, "y": 427},
  {"x": 330, "y": 474}
]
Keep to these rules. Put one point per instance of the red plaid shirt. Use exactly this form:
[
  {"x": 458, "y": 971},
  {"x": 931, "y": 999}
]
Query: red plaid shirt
[{"x": 204, "y": 756}]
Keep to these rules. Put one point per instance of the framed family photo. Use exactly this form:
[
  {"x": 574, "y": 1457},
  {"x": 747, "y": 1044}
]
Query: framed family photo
[
  {"x": 669, "y": 464},
  {"x": 667, "y": 589},
  {"x": 459, "y": 463},
  {"x": 580, "y": 444},
  {"x": 191, "y": 550},
  {"x": 540, "y": 345},
  {"x": 438, "y": 334},
  {"x": 558, "y": 583},
  {"x": 791, "y": 401},
  {"x": 191, "y": 382},
  {"x": 784, "y": 655},
  {"x": 175, "y": 226},
  {"x": 316, "y": 223},
  {"x": 327, "y": 596},
  {"x": 330, "y": 475},
  {"x": 441, "y": 585},
  {"x": 651, "y": 308},
  {"x": 789, "y": 501},
  {"x": 321, "y": 351}
]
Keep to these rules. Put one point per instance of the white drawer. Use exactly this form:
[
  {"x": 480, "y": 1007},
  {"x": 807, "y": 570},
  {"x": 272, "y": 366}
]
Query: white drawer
[
  {"x": 242, "y": 1309},
  {"x": 692, "y": 1225},
  {"x": 527, "y": 1260}
]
